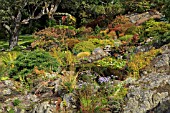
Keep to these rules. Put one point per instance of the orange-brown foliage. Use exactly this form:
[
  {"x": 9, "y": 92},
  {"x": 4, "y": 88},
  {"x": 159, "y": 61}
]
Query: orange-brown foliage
[{"x": 71, "y": 42}]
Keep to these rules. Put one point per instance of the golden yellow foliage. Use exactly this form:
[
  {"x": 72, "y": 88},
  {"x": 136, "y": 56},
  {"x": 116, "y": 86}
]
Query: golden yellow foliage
[
  {"x": 83, "y": 54},
  {"x": 104, "y": 32},
  {"x": 140, "y": 60}
]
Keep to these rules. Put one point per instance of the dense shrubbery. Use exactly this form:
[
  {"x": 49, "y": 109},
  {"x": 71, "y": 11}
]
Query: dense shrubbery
[
  {"x": 159, "y": 31},
  {"x": 137, "y": 6},
  {"x": 53, "y": 37},
  {"x": 25, "y": 63},
  {"x": 84, "y": 46}
]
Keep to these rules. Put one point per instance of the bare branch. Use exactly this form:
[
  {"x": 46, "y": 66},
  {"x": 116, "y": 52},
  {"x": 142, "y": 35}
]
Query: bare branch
[
  {"x": 33, "y": 13},
  {"x": 18, "y": 18},
  {"x": 45, "y": 10},
  {"x": 7, "y": 27},
  {"x": 56, "y": 6}
]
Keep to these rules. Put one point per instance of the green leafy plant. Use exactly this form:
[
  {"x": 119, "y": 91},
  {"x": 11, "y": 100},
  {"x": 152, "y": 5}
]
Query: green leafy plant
[
  {"x": 102, "y": 42},
  {"x": 97, "y": 29},
  {"x": 11, "y": 111},
  {"x": 64, "y": 58},
  {"x": 158, "y": 30},
  {"x": 126, "y": 38},
  {"x": 110, "y": 62},
  {"x": 7, "y": 62},
  {"x": 51, "y": 23},
  {"x": 91, "y": 44},
  {"x": 137, "y": 6},
  {"x": 26, "y": 62},
  {"x": 84, "y": 46},
  {"x": 16, "y": 102},
  {"x": 9, "y": 57},
  {"x": 69, "y": 80}
]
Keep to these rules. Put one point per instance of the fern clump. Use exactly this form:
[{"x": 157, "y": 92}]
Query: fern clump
[{"x": 26, "y": 62}]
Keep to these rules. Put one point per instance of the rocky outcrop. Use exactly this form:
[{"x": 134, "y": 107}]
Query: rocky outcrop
[
  {"x": 151, "y": 93},
  {"x": 143, "y": 17},
  {"x": 45, "y": 97},
  {"x": 160, "y": 64},
  {"x": 14, "y": 100},
  {"x": 147, "y": 93},
  {"x": 97, "y": 54}
]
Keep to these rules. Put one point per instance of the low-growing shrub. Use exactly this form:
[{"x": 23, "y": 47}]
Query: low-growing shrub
[
  {"x": 52, "y": 37},
  {"x": 102, "y": 42},
  {"x": 91, "y": 44},
  {"x": 138, "y": 6},
  {"x": 64, "y": 58},
  {"x": 71, "y": 42},
  {"x": 84, "y": 46},
  {"x": 99, "y": 95},
  {"x": 26, "y": 62},
  {"x": 126, "y": 38},
  {"x": 140, "y": 60},
  {"x": 110, "y": 62},
  {"x": 158, "y": 30}
]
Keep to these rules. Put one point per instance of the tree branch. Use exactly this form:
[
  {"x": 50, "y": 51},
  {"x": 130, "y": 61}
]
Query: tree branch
[
  {"x": 44, "y": 11},
  {"x": 56, "y": 6},
  {"x": 7, "y": 27}
]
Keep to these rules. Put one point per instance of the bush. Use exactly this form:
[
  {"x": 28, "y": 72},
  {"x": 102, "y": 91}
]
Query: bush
[
  {"x": 84, "y": 46},
  {"x": 166, "y": 9},
  {"x": 140, "y": 60},
  {"x": 158, "y": 30},
  {"x": 102, "y": 43},
  {"x": 91, "y": 44},
  {"x": 70, "y": 42},
  {"x": 137, "y": 6},
  {"x": 112, "y": 63},
  {"x": 26, "y": 62},
  {"x": 52, "y": 37}
]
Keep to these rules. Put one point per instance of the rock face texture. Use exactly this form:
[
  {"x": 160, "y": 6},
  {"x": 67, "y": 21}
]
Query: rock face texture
[
  {"x": 147, "y": 93},
  {"x": 151, "y": 93},
  {"x": 141, "y": 18}
]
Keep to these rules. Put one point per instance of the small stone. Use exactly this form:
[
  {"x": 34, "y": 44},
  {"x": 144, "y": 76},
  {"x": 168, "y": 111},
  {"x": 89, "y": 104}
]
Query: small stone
[
  {"x": 145, "y": 72},
  {"x": 6, "y": 91},
  {"x": 8, "y": 83},
  {"x": 32, "y": 97}
]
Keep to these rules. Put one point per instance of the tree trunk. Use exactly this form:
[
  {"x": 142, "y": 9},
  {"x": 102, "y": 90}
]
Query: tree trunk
[
  {"x": 13, "y": 40},
  {"x": 15, "y": 33}
]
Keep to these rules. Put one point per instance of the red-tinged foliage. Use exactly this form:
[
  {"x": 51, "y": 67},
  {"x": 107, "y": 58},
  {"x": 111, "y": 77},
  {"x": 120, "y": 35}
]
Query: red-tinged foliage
[
  {"x": 122, "y": 28},
  {"x": 63, "y": 18},
  {"x": 83, "y": 31},
  {"x": 120, "y": 24},
  {"x": 59, "y": 100},
  {"x": 50, "y": 37},
  {"x": 55, "y": 33},
  {"x": 135, "y": 38},
  {"x": 120, "y": 20}
]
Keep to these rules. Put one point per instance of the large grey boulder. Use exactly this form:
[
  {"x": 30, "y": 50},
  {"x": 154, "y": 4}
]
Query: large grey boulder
[
  {"x": 151, "y": 93},
  {"x": 147, "y": 93}
]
